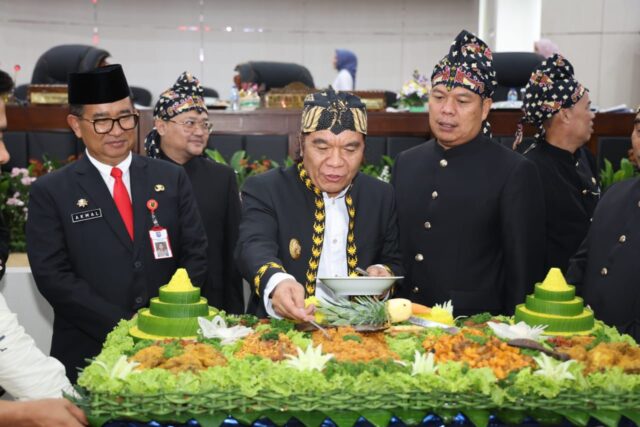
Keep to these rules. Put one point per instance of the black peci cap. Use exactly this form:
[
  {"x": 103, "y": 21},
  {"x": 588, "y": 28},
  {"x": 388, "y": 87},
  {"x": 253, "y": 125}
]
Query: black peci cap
[{"x": 99, "y": 86}]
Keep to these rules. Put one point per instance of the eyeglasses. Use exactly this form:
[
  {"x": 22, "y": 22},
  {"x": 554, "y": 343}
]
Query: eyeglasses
[
  {"x": 190, "y": 125},
  {"x": 102, "y": 126}
]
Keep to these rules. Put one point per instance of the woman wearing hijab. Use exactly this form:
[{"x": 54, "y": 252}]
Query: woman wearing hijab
[{"x": 346, "y": 63}]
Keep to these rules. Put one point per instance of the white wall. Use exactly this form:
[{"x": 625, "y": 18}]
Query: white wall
[
  {"x": 601, "y": 38},
  {"x": 517, "y": 25},
  {"x": 391, "y": 38}
]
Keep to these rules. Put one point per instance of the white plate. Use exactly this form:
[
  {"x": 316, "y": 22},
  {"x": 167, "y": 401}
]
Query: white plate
[{"x": 345, "y": 286}]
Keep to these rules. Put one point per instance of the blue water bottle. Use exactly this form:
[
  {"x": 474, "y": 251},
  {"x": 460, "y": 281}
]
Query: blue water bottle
[{"x": 512, "y": 95}]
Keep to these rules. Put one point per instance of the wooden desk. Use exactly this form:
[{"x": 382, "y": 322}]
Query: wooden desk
[{"x": 287, "y": 122}]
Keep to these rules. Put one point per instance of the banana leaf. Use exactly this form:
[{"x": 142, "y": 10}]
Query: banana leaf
[
  {"x": 633, "y": 416},
  {"x": 343, "y": 418},
  {"x": 409, "y": 416},
  {"x": 479, "y": 417},
  {"x": 378, "y": 417},
  {"x": 547, "y": 417},
  {"x": 510, "y": 416},
  {"x": 608, "y": 418},
  {"x": 309, "y": 418},
  {"x": 575, "y": 417}
]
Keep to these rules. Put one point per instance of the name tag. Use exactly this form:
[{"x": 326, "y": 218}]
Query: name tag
[{"x": 86, "y": 215}]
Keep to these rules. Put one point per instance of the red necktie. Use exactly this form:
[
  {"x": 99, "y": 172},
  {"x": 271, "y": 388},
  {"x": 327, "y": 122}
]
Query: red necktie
[{"x": 123, "y": 202}]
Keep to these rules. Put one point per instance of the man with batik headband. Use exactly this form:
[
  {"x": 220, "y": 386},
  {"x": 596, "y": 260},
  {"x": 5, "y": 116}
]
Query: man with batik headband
[
  {"x": 180, "y": 136},
  {"x": 605, "y": 269},
  {"x": 94, "y": 226},
  {"x": 558, "y": 105},
  {"x": 470, "y": 211},
  {"x": 319, "y": 217}
]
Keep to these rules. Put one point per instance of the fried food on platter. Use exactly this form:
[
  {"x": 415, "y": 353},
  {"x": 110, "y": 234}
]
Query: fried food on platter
[
  {"x": 274, "y": 349},
  {"x": 194, "y": 357},
  {"x": 473, "y": 347},
  {"x": 348, "y": 345}
]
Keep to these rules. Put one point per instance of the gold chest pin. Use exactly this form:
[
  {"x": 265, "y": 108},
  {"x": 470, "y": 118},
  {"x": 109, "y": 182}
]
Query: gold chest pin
[
  {"x": 294, "y": 248},
  {"x": 82, "y": 203},
  {"x": 158, "y": 188}
]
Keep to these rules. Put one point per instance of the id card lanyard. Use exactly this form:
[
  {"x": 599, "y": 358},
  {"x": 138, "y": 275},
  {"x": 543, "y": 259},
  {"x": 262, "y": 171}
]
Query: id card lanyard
[{"x": 160, "y": 244}]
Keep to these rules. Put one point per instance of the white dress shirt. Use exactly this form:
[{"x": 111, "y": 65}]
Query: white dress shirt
[
  {"x": 333, "y": 258},
  {"x": 105, "y": 172},
  {"x": 25, "y": 372}
]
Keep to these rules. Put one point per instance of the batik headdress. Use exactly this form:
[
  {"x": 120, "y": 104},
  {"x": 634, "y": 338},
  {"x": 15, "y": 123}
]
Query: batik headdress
[
  {"x": 185, "y": 95},
  {"x": 469, "y": 64},
  {"x": 552, "y": 87},
  {"x": 335, "y": 111}
]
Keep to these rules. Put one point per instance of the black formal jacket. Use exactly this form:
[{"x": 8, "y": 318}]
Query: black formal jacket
[
  {"x": 90, "y": 271},
  {"x": 216, "y": 192},
  {"x": 606, "y": 267},
  {"x": 278, "y": 207},
  {"x": 471, "y": 224},
  {"x": 571, "y": 193}
]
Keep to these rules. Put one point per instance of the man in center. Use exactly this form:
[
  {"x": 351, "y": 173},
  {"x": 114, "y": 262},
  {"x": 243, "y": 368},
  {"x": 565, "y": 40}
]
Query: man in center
[
  {"x": 319, "y": 217},
  {"x": 470, "y": 211}
]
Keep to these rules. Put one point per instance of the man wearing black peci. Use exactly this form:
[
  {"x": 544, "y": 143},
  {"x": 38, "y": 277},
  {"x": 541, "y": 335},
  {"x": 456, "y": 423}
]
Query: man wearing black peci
[{"x": 90, "y": 233}]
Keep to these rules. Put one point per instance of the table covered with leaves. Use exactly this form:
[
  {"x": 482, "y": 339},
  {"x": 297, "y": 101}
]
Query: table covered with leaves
[{"x": 402, "y": 373}]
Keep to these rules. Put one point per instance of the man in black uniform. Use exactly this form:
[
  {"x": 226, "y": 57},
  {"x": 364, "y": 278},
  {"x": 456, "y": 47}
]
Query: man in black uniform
[
  {"x": 22, "y": 365},
  {"x": 180, "y": 136},
  {"x": 93, "y": 224},
  {"x": 319, "y": 217},
  {"x": 470, "y": 211},
  {"x": 558, "y": 105},
  {"x": 605, "y": 269}
]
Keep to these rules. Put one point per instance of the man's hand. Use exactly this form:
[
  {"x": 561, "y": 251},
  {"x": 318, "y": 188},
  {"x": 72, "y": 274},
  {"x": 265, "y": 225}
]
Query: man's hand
[
  {"x": 377, "y": 271},
  {"x": 42, "y": 413},
  {"x": 288, "y": 301}
]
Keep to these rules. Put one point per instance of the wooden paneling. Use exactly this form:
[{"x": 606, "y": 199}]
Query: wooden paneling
[{"x": 286, "y": 122}]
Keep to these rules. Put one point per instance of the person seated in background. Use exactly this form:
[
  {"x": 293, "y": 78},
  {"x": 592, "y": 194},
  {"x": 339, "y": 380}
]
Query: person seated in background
[
  {"x": 470, "y": 211},
  {"x": 318, "y": 218},
  {"x": 54, "y": 66},
  {"x": 605, "y": 269},
  {"x": 180, "y": 136},
  {"x": 559, "y": 106},
  {"x": 346, "y": 63},
  {"x": 25, "y": 372}
]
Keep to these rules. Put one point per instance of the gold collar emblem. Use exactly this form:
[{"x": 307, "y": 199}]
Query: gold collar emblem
[
  {"x": 295, "y": 249},
  {"x": 82, "y": 203}
]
